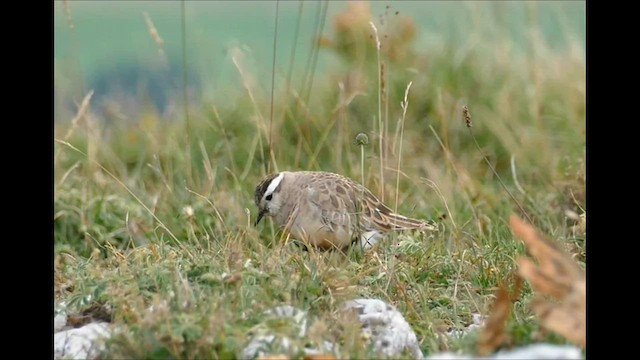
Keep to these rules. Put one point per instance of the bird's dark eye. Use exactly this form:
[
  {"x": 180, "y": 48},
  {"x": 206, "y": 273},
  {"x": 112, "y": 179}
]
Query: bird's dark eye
[{"x": 269, "y": 197}]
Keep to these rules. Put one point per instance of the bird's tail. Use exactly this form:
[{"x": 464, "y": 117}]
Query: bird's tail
[{"x": 400, "y": 222}]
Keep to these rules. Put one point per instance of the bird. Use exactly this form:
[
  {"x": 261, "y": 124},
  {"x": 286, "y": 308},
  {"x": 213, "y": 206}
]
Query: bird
[{"x": 328, "y": 210}]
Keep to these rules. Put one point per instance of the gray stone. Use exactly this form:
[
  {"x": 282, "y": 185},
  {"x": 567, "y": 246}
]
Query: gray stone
[
  {"x": 541, "y": 351},
  {"x": 59, "y": 322},
  {"x": 286, "y": 338},
  {"x": 389, "y": 332},
  {"x": 82, "y": 343},
  {"x": 384, "y": 325},
  {"x": 530, "y": 352}
]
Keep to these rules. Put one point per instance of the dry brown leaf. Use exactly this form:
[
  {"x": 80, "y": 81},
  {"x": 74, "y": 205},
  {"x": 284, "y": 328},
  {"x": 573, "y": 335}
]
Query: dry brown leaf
[
  {"x": 558, "y": 276},
  {"x": 320, "y": 357},
  {"x": 232, "y": 278},
  {"x": 273, "y": 357},
  {"x": 492, "y": 334}
]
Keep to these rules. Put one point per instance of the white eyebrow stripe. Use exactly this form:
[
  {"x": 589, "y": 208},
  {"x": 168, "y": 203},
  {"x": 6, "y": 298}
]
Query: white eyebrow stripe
[{"x": 274, "y": 184}]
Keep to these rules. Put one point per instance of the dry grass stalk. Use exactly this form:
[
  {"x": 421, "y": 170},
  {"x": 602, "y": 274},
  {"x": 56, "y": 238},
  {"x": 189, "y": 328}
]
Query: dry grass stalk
[
  {"x": 380, "y": 124},
  {"x": 153, "y": 32},
  {"x": 82, "y": 111},
  {"x": 67, "y": 13},
  {"x": 404, "y": 105},
  {"x": 249, "y": 83},
  {"x": 467, "y": 119},
  {"x": 75, "y": 122}
]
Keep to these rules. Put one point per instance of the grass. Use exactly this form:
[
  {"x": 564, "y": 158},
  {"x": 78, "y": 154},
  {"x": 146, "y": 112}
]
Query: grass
[{"x": 156, "y": 231}]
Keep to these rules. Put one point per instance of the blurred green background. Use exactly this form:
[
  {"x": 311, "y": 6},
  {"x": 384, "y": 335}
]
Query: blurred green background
[
  {"x": 152, "y": 210},
  {"x": 106, "y": 45}
]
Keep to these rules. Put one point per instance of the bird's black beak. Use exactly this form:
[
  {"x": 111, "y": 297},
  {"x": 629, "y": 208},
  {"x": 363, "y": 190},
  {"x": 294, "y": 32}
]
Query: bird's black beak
[{"x": 260, "y": 216}]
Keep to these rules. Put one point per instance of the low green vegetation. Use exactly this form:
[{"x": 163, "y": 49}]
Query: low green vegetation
[{"x": 153, "y": 218}]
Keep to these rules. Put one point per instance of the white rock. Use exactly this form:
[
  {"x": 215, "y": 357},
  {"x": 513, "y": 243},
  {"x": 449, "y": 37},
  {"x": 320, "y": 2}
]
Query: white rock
[
  {"x": 266, "y": 340},
  {"x": 295, "y": 314},
  {"x": 59, "y": 322},
  {"x": 260, "y": 345},
  {"x": 384, "y": 324},
  {"x": 478, "y": 320},
  {"x": 284, "y": 339},
  {"x": 541, "y": 351},
  {"x": 389, "y": 332},
  {"x": 450, "y": 356},
  {"x": 530, "y": 352},
  {"x": 81, "y": 343}
]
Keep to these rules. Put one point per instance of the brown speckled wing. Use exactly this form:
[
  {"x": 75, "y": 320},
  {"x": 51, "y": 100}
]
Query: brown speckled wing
[
  {"x": 345, "y": 201},
  {"x": 336, "y": 211},
  {"x": 383, "y": 218}
]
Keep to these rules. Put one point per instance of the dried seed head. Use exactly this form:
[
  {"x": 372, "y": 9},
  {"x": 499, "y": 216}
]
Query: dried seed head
[
  {"x": 467, "y": 116},
  {"x": 375, "y": 32},
  {"x": 188, "y": 211},
  {"x": 362, "y": 139}
]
